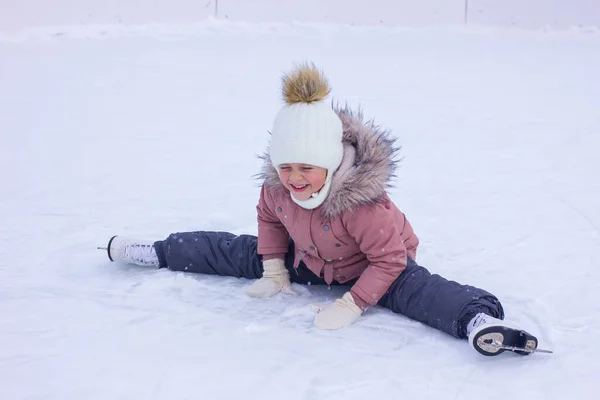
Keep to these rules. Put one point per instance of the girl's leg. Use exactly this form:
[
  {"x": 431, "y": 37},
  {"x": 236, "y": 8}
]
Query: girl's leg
[
  {"x": 222, "y": 253},
  {"x": 206, "y": 252},
  {"x": 440, "y": 303}
]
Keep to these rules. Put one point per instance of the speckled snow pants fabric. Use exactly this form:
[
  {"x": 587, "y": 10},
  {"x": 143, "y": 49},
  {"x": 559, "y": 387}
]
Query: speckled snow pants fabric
[{"x": 418, "y": 294}]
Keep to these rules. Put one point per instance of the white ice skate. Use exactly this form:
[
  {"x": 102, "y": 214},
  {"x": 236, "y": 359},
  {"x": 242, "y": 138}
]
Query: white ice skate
[
  {"x": 131, "y": 251},
  {"x": 491, "y": 336}
]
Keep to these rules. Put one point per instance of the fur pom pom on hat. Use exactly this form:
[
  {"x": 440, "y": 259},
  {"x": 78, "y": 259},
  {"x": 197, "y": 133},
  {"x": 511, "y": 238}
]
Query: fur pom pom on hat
[
  {"x": 306, "y": 130},
  {"x": 305, "y": 84}
]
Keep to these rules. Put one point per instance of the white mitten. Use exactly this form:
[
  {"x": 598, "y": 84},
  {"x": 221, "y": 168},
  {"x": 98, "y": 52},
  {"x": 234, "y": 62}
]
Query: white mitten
[
  {"x": 338, "y": 315},
  {"x": 275, "y": 279}
]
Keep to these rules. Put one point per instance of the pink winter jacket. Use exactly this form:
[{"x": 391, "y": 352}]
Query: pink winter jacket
[{"x": 358, "y": 232}]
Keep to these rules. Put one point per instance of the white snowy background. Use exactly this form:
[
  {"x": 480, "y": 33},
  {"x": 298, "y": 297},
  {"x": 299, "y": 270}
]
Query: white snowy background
[{"x": 144, "y": 130}]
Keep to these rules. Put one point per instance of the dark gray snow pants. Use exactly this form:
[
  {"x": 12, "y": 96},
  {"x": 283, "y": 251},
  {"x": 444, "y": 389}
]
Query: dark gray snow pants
[{"x": 440, "y": 303}]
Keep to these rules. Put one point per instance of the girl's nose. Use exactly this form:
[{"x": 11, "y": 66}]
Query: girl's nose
[{"x": 296, "y": 175}]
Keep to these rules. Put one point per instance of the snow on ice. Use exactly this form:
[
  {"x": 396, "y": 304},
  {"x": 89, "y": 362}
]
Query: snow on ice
[{"x": 155, "y": 129}]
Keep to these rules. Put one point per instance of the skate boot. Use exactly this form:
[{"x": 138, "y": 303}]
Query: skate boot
[
  {"x": 491, "y": 336},
  {"x": 131, "y": 251}
]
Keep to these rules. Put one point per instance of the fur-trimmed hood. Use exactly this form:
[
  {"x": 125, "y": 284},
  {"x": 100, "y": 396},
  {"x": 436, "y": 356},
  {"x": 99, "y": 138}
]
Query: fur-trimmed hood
[{"x": 367, "y": 169}]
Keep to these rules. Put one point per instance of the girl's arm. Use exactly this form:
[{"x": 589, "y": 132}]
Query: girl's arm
[
  {"x": 377, "y": 230},
  {"x": 272, "y": 245},
  {"x": 273, "y": 238}
]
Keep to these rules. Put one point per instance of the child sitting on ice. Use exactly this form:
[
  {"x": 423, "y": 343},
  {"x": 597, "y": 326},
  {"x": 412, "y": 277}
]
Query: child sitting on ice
[{"x": 324, "y": 217}]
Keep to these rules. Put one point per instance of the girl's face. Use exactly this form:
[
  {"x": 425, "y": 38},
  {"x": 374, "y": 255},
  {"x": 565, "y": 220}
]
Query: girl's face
[{"x": 302, "y": 180}]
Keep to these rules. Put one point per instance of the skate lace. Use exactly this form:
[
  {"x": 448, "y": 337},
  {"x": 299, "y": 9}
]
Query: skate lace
[{"x": 141, "y": 253}]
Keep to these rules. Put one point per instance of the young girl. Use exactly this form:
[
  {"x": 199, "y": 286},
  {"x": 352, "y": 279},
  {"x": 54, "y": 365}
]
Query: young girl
[{"x": 324, "y": 218}]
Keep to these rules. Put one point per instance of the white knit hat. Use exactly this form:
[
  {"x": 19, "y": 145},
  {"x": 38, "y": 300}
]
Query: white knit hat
[{"x": 307, "y": 130}]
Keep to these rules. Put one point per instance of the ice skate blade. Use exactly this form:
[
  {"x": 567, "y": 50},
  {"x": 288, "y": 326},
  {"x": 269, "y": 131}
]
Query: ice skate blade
[{"x": 499, "y": 346}]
